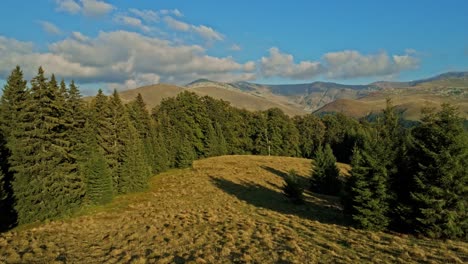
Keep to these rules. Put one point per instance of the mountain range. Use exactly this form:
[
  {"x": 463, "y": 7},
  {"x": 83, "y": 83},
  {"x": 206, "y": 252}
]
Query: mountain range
[{"x": 324, "y": 97}]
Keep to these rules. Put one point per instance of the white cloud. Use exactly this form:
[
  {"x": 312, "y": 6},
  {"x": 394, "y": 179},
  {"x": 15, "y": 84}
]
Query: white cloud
[
  {"x": 79, "y": 36},
  {"x": 176, "y": 24},
  {"x": 148, "y": 16},
  {"x": 132, "y": 22},
  {"x": 50, "y": 28},
  {"x": 69, "y": 6},
  {"x": 96, "y": 7},
  {"x": 174, "y": 12},
  {"x": 93, "y": 8},
  {"x": 235, "y": 47},
  {"x": 352, "y": 64},
  {"x": 282, "y": 65},
  {"x": 205, "y": 32},
  {"x": 121, "y": 57}
]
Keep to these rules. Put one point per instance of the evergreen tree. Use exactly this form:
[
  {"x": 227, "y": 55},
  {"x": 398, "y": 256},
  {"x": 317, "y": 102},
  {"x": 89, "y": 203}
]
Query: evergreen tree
[
  {"x": 185, "y": 154},
  {"x": 134, "y": 171},
  {"x": 12, "y": 103},
  {"x": 42, "y": 185},
  {"x": 216, "y": 143},
  {"x": 103, "y": 116},
  {"x": 366, "y": 197},
  {"x": 145, "y": 127},
  {"x": 325, "y": 174},
  {"x": 293, "y": 188},
  {"x": 439, "y": 152},
  {"x": 311, "y": 134}
]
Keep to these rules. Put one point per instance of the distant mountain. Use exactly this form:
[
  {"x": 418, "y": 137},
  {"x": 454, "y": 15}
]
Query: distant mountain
[
  {"x": 154, "y": 94},
  {"x": 324, "y": 97}
]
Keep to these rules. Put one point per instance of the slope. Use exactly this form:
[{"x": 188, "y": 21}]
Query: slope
[{"x": 225, "y": 210}]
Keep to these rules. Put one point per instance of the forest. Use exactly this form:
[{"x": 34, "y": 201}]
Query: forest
[{"x": 60, "y": 153}]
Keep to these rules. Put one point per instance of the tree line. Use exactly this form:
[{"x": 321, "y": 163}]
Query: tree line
[
  {"x": 406, "y": 180},
  {"x": 60, "y": 152}
]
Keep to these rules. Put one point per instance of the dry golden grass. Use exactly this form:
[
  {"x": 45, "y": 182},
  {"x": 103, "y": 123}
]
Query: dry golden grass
[
  {"x": 248, "y": 101},
  {"x": 226, "y": 209}
]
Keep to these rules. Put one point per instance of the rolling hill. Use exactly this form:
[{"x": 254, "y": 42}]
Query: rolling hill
[
  {"x": 226, "y": 209},
  {"x": 324, "y": 97},
  {"x": 154, "y": 94}
]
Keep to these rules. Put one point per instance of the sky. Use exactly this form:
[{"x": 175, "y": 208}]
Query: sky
[{"x": 125, "y": 44}]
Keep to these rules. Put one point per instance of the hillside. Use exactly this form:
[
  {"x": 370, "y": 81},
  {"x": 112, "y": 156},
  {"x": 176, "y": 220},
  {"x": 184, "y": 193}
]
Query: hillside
[
  {"x": 154, "y": 94},
  {"x": 225, "y": 210}
]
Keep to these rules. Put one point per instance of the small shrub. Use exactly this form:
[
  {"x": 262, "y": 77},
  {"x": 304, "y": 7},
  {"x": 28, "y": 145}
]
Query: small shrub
[{"x": 293, "y": 188}]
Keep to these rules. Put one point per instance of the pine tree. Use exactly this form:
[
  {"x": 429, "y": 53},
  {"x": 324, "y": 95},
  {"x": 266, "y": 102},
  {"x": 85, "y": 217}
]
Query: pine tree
[
  {"x": 366, "y": 196},
  {"x": 98, "y": 178},
  {"x": 326, "y": 175},
  {"x": 439, "y": 152},
  {"x": 12, "y": 103},
  {"x": 185, "y": 154},
  {"x": 311, "y": 134},
  {"x": 145, "y": 126},
  {"x": 102, "y": 115},
  {"x": 42, "y": 185},
  {"x": 134, "y": 170}
]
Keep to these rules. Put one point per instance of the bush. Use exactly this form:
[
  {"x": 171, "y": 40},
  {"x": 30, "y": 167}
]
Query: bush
[{"x": 293, "y": 188}]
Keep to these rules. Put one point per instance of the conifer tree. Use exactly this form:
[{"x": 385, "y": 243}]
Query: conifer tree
[
  {"x": 185, "y": 154},
  {"x": 134, "y": 170},
  {"x": 102, "y": 115},
  {"x": 326, "y": 175},
  {"x": 439, "y": 152},
  {"x": 12, "y": 103},
  {"x": 143, "y": 123},
  {"x": 42, "y": 185},
  {"x": 366, "y": 197},
  {"x": 94, "y": 168}
]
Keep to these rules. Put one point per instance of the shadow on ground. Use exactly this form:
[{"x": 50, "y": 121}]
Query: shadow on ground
[{"x": 321, "y": 208}]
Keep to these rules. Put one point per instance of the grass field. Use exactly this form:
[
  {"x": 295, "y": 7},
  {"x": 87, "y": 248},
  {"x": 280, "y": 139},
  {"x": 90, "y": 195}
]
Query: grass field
[{"x": 224, "y": 210}]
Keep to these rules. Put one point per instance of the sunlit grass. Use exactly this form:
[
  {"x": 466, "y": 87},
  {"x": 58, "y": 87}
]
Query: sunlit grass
[{"x": 225, "y": 209}]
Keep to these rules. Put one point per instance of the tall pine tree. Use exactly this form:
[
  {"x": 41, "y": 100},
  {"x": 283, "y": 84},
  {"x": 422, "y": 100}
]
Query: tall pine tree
[
  {"x": 326, "y": 175},
  {"x": 42, "y": 185},
  {"x": 439, "y": 152},
  {"x": 366, "y": 197}
]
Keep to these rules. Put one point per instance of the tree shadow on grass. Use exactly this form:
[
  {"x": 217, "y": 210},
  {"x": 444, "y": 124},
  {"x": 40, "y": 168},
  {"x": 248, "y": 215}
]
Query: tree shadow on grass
[{"x": 321, "y": 208}]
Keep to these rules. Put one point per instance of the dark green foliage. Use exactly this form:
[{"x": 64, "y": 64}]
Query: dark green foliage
[
  {"x": 293, "y": 187},
  {"x": 145, "y": 128},
  {"x": 99, "y": 179},
  {"x": 12, "y": 103},
  {"x": 342, "y": 133},
  {"x": 439, "y": 151},
  {"x": 134, "y": 170},
  {"x": 311, "y": 134},
  {"x": 185, "y": 154},
  {"x": 43, "y": 185},
  {"x": 216, "y": 144},
  {"x": 366, "y": 197},
  {"x": 325, "y": 177}
]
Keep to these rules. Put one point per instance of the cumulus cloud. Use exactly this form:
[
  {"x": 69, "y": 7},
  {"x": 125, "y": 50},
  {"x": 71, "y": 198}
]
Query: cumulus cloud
[
  {"x": 93, "y": 8},
  {"x": 148, "y": 16},
  {"x": 132, "y": 22},
  {"x": 205, "y": 32},
  {"x": 351, "y": 64},
  {"x": 121, "y": 57},
  {"x": 69, "y": 6},
  {"x": 283, "y": 65},
  {"x": 50, "y": 28},
  {"x": 174, "y": 12}
]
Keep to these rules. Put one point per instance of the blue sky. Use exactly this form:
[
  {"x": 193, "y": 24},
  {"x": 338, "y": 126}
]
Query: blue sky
[{"x": 125, "y": 44}]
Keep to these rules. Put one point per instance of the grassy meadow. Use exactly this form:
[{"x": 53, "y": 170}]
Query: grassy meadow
[{"x": 227, "y": 209}]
